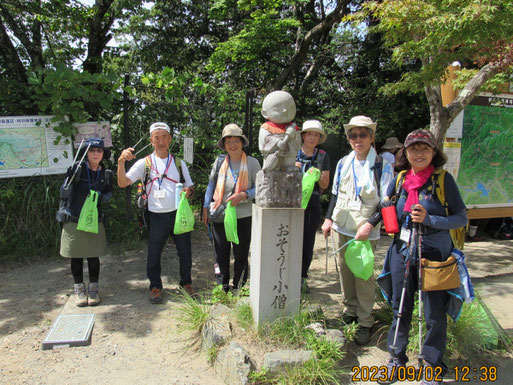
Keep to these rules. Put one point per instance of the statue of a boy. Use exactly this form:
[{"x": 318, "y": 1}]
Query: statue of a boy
[{"x": 279, "y": 139}]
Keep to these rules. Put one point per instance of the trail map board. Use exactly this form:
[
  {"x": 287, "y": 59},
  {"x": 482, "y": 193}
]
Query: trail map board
[
  {"x": 486, "y": 167},
  {"x": 27, "y": 147}
]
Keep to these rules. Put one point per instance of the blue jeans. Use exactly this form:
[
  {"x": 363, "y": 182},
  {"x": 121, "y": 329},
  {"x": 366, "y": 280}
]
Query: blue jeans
[{"x": 161, "y": 227}]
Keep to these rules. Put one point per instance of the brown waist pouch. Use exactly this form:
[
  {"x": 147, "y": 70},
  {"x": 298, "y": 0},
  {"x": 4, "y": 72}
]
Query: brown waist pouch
[{"x": 440, "y": 275}]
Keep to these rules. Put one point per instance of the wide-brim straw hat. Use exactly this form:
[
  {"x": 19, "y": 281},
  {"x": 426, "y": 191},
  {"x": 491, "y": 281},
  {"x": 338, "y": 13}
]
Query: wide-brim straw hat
[
  {"x": 360, "y": 121},
  {"x": 392, "y": 143},
  {"x": 314, "y": 126},
  {"x": 94, "y": 143},
  {"x": 232, "y": 130}
]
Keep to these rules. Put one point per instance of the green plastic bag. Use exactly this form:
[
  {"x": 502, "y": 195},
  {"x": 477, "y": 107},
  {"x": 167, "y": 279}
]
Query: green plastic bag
[
  {"x": 184, "y": 220},
  {"x": 230, "y": 223},
  {"x": 360, "y": 259},
  {"x": 88, "y": 219},
  {"x": 307, "y": 185}
]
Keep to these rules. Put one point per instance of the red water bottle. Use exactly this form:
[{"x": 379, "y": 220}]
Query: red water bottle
[{"x": 390, "y": 217}]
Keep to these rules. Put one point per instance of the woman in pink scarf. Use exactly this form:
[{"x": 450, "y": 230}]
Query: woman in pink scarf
[
  {"x": 232, "y": 179},
  {"x": 417, "y": 203}
]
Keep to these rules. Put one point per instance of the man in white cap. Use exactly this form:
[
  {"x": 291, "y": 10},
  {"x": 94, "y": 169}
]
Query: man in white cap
[
  {"x": 353, "y": 213},
  {"x": 161, "y": 174}
]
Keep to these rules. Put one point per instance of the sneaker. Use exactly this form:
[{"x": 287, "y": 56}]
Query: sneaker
[
  {"x": 475, "y": 238},
  {"x": 156, "y": 295},
  {"x": 363, "y": 335},
  {"x": 391, "y": 372},
  {"x": 189, "y": 290},
  {"x": 305, "y": 289},
  {"x": 349, "y": 319},
  {"x": 80, "y": 294},
  {"x": 94, "y": 297}
]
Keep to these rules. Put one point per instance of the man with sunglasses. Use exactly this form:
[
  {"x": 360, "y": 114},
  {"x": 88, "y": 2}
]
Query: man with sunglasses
[{"x": 354, "y": 213}]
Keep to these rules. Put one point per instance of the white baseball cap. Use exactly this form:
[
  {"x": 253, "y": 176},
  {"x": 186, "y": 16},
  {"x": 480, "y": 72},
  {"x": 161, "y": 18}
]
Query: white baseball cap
[{"x": 159, "y": 126}]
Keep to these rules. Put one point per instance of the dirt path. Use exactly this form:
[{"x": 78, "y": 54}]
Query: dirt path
[
  {"x": 135, "y": 342},
  {"x": 490, "y": 264}
]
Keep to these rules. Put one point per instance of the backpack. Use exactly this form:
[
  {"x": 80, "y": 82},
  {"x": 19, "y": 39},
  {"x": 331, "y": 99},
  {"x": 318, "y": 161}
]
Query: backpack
[
  {"x": 141, "y": 197},
  {"x": 438, "y": 184}
]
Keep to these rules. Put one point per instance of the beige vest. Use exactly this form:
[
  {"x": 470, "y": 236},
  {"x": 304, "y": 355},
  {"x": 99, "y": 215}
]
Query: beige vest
[{"x": 348, "y": 218}]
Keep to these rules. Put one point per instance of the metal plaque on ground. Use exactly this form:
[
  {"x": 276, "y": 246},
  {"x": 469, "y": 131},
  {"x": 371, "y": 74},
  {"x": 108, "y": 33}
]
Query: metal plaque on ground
[{"x": 70, "y": 330}]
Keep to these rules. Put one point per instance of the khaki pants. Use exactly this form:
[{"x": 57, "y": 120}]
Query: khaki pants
[{"x": 358, "y": 295}]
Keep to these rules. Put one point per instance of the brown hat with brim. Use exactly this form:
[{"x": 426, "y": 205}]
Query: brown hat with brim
[{"x": 232, "y": 130}]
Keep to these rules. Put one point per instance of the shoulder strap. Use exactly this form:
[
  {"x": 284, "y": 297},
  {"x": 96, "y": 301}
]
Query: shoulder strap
[
  {"x": 378, "y": 171},
  {"x": 439, "y": 186},
  {"x": 147, "y": 168},
  {"x": 178, "y": 164},
  {"x": 399, "y": 184}
]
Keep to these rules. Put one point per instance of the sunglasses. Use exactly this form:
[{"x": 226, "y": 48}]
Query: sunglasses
[{"x": 361, "y": 135}]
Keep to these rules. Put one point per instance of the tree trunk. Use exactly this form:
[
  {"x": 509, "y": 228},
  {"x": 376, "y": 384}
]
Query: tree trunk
[{"x": 442, "y": 117}]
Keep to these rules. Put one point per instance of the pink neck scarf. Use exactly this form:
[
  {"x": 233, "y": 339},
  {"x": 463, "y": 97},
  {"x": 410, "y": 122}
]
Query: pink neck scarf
[{"x": 412, "y": 183}]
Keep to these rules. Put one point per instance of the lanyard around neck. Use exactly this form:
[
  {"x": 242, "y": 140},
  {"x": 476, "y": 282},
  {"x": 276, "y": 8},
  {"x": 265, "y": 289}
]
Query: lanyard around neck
[
  {"x": 358, "y": 190},
  {"x": 160, "y": 177},
  {"x": 231, "y": 170},
  {"x": 306, "y": 163}
]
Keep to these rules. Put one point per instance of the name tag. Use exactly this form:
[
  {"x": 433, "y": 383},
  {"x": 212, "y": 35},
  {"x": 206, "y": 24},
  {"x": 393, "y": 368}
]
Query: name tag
[
  {"x": 355, "y": 205},
  {"x": 160, "y": 194},
  {"x": 405, "y": 235}
]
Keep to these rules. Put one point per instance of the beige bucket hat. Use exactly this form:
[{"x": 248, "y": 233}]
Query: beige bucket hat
[
  {"x": 232, "y": 130},
  {"x": 392, "y": 143},
  {"x": 360, "y": 121},
  {"x": 314, "y": 126}
]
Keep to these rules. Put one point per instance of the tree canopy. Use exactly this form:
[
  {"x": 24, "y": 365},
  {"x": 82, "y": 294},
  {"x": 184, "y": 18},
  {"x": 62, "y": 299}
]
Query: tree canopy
[{"x": 477, "y": 33}]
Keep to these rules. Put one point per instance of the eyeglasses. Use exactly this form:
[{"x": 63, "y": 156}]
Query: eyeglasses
[
  {"x": 362, "y": 135},
  {"x": 95, "y": 149}
]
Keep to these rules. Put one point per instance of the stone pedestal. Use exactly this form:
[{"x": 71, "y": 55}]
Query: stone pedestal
[
  {"x": 278, "y": 189},
  {"x": 276, "y": 254}
]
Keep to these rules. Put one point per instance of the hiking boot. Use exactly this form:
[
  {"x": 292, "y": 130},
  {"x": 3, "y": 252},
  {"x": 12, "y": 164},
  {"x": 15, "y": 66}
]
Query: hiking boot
[
  {"x": 94, "y": 297},
  {"x": 391, "y": 372},
  {"x": 80, "y": 294},
  {"x": 363, "y": 335},
  {"x": 431, "y": 376},
  {"x": 189, "y": 290},
  {"x": 156, "y": 295},
  {"x": 305, "y": 289},
  {"x": 348, "y": 319}
]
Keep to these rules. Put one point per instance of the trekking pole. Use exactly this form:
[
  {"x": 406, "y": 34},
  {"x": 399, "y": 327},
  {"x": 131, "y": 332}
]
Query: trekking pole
[
  {"x": 326, "y": 272},
  {"x": 144, "y": 148},
  {"x": 74, "y": 160},
  {"x": 420, "y": 357},
  {"x": 76, "y": 169},
  {"x": 335, "y": 257},
  {"x": 403, "y": 291}
]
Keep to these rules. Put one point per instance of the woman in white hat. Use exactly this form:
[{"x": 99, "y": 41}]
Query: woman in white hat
[
  {"x": 309, "y": 156},
  {"x": 232, "y": 179}
]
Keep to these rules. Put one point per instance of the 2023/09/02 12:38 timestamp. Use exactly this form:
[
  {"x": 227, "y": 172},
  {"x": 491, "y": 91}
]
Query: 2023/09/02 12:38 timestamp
[{"x": 482, "y": 373}]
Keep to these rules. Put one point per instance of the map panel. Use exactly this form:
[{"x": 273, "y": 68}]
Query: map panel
[
  {"x": 486, "y": 168},
  {"x": 27, "y": 147}
]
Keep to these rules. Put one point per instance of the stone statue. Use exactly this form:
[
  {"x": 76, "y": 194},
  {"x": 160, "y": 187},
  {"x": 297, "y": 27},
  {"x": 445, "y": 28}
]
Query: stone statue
[{"x": 279, "y": 139}]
